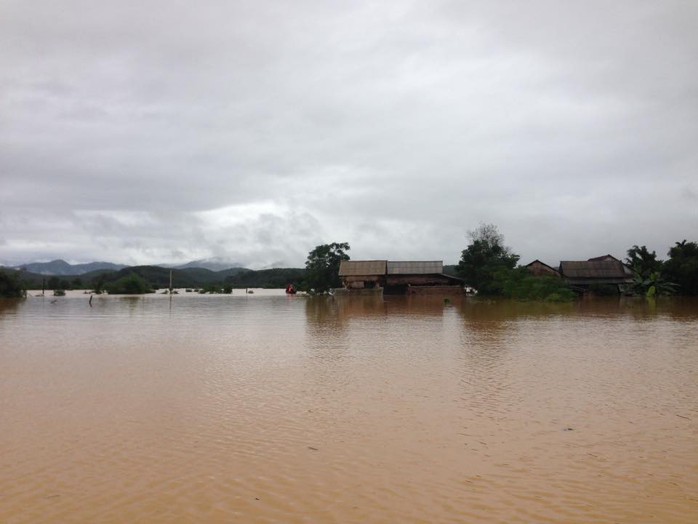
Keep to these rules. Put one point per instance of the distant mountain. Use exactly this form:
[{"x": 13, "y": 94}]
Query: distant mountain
[
  {"x": 212, "y": 264},
  {"x": 62, "y": 268},
  {"x": 66, "y": 276}
]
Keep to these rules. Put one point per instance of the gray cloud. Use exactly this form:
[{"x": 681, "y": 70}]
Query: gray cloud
[{"x": 142, "y": 133}]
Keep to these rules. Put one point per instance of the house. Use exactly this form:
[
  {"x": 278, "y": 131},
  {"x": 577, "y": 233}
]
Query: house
[
  {"x": 541, "y": 269},
  {"x": 423, "y": 278},
  {"x": 605, "y": 270},
  {"x": 363, "y": 274},
  {"x": 398, "y": 277}
]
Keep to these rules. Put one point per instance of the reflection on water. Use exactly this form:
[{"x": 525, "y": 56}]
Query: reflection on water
[
  {"x": 8, "y": 306},
  {"x": 270, "y": 408}
]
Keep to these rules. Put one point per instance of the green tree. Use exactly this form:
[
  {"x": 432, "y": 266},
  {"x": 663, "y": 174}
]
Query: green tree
[
  {"x": 98, "y": 283},
  {"x": 11, "y": 286},
  {"x": 682, "y": 267},
  {"x": 132, "y": 284},
  {"x": 653, "y": 285},
  {"x": 642, "y": 262},
  {"x": 266, "y": 278},
  {"x": 54, "y": 283},
  {"x": 486, "y": 263},
  {"x": 647, "y": 273},
  {"x": 322, "y": 267},
  {"x": 521, "y": 285}
]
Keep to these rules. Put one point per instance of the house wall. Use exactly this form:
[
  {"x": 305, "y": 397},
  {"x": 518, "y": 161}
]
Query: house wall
[
  {"x": 401, "y": 284},
  {"x": 363, "y": 281},
  {"x": 418, "y": 280}
]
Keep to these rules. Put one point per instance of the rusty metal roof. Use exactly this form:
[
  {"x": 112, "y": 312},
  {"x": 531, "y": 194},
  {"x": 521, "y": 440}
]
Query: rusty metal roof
[
  {"x": 416, "y": 268},
  {"x": 361, "y": 267},
  {"x": 599, "y": 269}
]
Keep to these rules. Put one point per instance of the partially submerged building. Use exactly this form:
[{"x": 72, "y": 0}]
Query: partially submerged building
[
  {"x": 398, "y": 277},
  {"x": 541, "y": 269},
  {"x": 606, "y": 270},
  {"x": 363, "y": 274},
  {"x": 424, "y": 278}
]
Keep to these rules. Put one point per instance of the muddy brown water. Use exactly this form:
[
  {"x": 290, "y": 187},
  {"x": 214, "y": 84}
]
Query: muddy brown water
[{"x": 267, "y": 408}]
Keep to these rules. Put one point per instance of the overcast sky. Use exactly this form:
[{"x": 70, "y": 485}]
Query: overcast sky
[{"x": 167, "y": 131}]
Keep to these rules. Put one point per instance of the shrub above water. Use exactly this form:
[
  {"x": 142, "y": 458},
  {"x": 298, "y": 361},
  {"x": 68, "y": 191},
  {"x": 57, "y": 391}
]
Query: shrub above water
[
  {"x": 520, "y": 284},
  {"x": 129, "y": 285},
  {"x": 10, "y": 285}
]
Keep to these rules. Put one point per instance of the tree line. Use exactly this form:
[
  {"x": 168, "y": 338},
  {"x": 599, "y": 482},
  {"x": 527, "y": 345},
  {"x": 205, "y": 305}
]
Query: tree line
[
  {"x": 486, "y": 264},
  {"x": 147, "y": 279},
  {"x": 491, "y": 268}
]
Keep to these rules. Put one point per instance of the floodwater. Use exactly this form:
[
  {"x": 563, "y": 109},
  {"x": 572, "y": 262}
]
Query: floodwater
[{"x": 267, "y": 408}]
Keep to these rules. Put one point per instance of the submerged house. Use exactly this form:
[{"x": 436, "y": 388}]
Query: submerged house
[
  {"x": 420, "y": 278},
  {"x": 605, "y": 270},
  {"x": 398, "y": 277},
  {"x": 541, "y": 269},
  {"x": 363, "y": 274}
]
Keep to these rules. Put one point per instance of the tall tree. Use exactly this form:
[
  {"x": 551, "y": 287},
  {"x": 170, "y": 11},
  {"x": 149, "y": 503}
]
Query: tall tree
[
  {"x": 322, "y": 266},
  {"x": 10, "y": 285},
  {"x": 485, "y": 263},
  {"x": 647, "y": 275},
  {"x": 642, "y": 262},
  {"x": 682, "y": 267}
]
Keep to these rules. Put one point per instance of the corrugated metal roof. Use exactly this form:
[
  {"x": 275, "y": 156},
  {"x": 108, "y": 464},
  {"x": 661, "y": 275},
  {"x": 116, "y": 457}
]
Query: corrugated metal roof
[
  {"x": 416, "y": 268},
  {"x": 361, "y": 267},
  {"x": 593, "y": 269}
]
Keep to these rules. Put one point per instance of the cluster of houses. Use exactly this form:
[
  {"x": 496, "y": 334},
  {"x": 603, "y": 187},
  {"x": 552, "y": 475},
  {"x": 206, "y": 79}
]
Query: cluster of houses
[
  {"x": 427, "y": 277},
  {"x": 582, "y": 275}
]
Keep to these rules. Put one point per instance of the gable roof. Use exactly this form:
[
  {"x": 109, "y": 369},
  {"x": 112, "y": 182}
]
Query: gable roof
[
  {"x": 541, "y": 269},
  {"x": 362, "y": 267},
  {"x": 536, "y": 261},
  {"x": 604, "y": 258},
  {"x": 434, "y": 267},
  {"x": 594, "y": 269}
]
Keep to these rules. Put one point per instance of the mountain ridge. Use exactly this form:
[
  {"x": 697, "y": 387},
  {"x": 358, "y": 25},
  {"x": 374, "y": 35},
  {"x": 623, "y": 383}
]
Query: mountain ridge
[{"x": 60, "y": 267}]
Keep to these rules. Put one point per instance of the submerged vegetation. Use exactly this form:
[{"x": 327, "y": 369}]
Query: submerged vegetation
[
  {"x": 10, "y": 285},
  {"x": 490, "y": 267},
  {"x": 487, "y": 264},
  {"x": 154, "y": 277},
  {"x": 520, "y": 284},
  {"x": 132, "y": 284},
  {"x": 682, "y": 267},
  {"x": 322, "y": 267},
  {"x": 648, "y": 280},
  {"x": 265, "y": 278}
]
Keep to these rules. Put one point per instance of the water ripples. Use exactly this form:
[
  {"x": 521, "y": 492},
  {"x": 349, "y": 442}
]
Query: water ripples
[{"x": 278, "y": 409}]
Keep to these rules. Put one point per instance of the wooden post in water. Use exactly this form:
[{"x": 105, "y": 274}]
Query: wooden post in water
[{"x": 170, "y": 282}]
